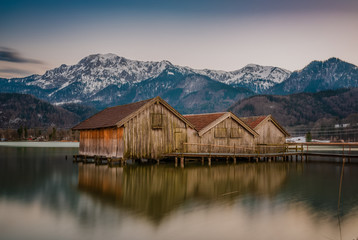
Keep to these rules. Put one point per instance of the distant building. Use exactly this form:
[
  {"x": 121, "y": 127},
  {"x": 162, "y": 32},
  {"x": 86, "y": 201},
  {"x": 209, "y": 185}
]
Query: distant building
[{"x": 344, "y": 125}]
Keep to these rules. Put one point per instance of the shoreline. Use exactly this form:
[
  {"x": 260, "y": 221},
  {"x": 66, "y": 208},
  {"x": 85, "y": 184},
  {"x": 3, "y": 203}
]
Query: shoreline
[{"x": 39, "y": 144}]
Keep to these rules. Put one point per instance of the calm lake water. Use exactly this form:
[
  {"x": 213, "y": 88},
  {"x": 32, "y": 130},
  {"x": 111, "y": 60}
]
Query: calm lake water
[{"x": 45, "y": 196}]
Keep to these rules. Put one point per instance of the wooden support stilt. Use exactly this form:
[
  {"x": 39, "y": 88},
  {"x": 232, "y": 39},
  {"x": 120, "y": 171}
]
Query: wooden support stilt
[
  {"x": 227, "y": 160},
  {"x": 209, "y": 161},
  {"x": 202, "y": 160},
  {"x": 182, "y": 162},
  {"x": 176, "y": 161},
  {"x": 235, "y": 160}
]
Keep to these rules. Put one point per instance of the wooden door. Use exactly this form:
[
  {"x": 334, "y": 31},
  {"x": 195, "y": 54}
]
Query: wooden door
[{"x": 180, "y": 139}]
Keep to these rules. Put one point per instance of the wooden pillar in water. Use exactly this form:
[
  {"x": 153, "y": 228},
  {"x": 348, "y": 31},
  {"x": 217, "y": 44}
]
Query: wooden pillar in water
[
  {"x": 209, "y": 161},
  {"x": 176, "y": 161},
  {"x": 235, "y": 160},
  {"x": 227, "y": 160},
  {"x": 202, "y": 160}
]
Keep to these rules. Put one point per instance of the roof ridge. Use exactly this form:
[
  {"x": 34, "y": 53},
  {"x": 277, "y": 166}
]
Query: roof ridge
[
  {"x": 204, "y": 114},
  {"x": 256, "y": 116},
  {"x": 110, "y": 116},
  {"x": 129, "y": 103}
]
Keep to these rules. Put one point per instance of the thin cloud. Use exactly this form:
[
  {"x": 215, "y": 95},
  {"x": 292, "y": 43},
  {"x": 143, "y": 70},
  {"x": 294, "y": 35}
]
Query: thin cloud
[
  {"x": 15, "y": 71},
  {"x": 10, "y": 55}
]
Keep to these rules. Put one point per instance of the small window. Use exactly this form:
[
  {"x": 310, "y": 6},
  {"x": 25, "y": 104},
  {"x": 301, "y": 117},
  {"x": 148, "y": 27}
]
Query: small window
[
  {"x": 157, "y": 120},
  {"x": 235, "y": 133},
  {"x": 220, "y": 132}
]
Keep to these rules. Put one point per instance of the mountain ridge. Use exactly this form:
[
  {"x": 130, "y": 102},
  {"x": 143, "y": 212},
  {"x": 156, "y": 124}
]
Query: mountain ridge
[
  {"x": 301, "y": 108},
  {"x": 319, "y": 76},
  {"x": 103, "y": 80}
]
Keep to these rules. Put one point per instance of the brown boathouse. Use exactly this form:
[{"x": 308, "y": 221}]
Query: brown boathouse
[
  {"x": 269, "y": 130},
  {"x": 225, "y": 131},
  {"x": 146, "y": 129},
  {"x": 152, "y": 129}
]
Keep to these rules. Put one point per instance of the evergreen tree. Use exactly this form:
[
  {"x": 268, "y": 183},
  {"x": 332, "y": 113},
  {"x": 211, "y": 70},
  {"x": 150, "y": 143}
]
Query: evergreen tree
[
  {"x": 308, "y": 137},
  {"x": 25, "y": 131},
  {"x": 19, "y": 132}
]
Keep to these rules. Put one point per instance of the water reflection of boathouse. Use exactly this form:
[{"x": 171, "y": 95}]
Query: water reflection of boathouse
[{"x": 157, "y": 190}]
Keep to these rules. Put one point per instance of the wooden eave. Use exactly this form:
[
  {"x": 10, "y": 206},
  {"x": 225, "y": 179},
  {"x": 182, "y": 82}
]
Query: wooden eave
[
  {"x": 222, "y": 118},
  {"x": 154, "y": 101}
]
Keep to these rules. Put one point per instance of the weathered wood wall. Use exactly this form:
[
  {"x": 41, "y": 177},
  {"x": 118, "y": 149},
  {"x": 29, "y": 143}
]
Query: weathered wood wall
[
  {"x": 104, "y": 142},
  {"x": 142, "y": 140},
  {"x": 269, "y": 138},
  {"x": 270, "y": 134},
  {"x": 226, "y": 133}
]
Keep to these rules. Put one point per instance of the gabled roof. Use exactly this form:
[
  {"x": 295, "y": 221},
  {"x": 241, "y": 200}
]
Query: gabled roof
[
  {"x": 110, "y": 116},
  {"x": 255, "y": 122},
  {"x": 117, "y": 116},
  {"x": 200, "y": 121},
  {"x": 205, "y": 122}
]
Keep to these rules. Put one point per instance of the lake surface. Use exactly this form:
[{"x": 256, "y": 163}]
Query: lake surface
[{"x": 45, "y": 196}]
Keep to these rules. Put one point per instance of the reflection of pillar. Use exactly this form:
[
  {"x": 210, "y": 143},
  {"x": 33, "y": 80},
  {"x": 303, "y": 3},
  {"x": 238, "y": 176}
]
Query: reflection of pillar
[{"x": 182, "y": 162}]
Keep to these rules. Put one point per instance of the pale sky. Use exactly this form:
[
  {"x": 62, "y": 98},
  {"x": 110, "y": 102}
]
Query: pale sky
[{"x": 216, "y": 34}]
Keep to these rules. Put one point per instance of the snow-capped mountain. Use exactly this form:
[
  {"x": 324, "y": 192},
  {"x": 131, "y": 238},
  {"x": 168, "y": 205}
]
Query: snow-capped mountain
[
  {"x": 97, "y": 72},
  {"x": 255, "y": 77},
  {"x": 107, "y": 79}
]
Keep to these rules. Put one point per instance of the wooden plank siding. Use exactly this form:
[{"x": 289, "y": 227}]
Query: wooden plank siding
[
  {"x": 270, "y": 137},
  {"x": 270, "y": 134},
  {"x": 142, "y": 140},
  {"x": 244, "y": 140},
  {"x": 102, "y": 142}
]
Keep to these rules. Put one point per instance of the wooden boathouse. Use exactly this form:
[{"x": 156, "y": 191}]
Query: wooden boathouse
[
  {"x": 220, "y": 132},
  {"x": 152, "y": 129},
  {"x": 141, "y": 130},
  {"x": 271, "y": 135}
]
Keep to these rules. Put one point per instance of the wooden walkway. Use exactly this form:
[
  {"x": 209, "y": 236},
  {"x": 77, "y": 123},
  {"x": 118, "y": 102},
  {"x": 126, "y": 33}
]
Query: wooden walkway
[{"x": 338, "y": 155}]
